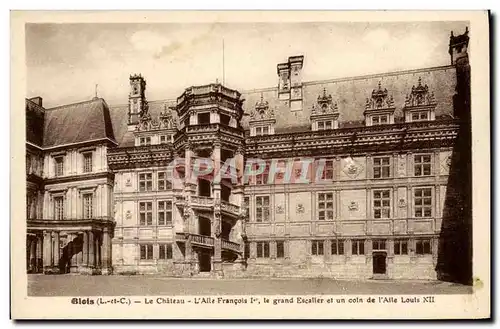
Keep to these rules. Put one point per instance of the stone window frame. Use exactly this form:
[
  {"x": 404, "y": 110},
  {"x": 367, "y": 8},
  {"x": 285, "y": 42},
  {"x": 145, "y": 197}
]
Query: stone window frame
[
  {"x": 85, "y": 194},
  {"x": 329, "y": 168},
  {"x": 144, "y": 140},
  {"x": 329, "y": 212},
  {"x": 382, "y": 166},
  {"x": 422, "y": 165},
  {"x": 148, "y": 251},
  {"x": 420, "y": 246},
  {"x": 283, "y": 254},
  {"x": 145, "y": 181},
  {"x": 358, "y": 247},
  {"x": 379, "y": 119},
  {"x": 59, "y": 165},
  {"x": 146, "y": 211},
  {"x": 263, "y": 207},
  {"x": 166, "y": 180},
  {"x": 166, "y": 210},
  {"x": 88, "y": 167},
  {"x": 338, "y": 247},
  {"x": 382, "y": 207},
  {"x": 423, "y": 207},
  {"x": 401, "y": 247},
  {"x": 379, "y": 244},
  {"x": 318, "y": 248},
  {"x": 264, "y": 248},
  {"x": 167, "y": 253},
  {"x": 55, "y": 198}
]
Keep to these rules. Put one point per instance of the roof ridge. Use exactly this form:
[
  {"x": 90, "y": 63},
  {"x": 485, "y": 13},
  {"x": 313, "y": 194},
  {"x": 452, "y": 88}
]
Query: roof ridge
[
  {"x": 316, "y": 82},
  {"x": 77, "y": 103}
]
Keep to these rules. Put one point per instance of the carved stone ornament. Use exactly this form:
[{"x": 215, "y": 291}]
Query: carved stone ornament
[
  {"x": 353, "y": 206},
  {"x": 128, "y": 182},
  {"x": 351, "y": 168},
  {"x": 165, "y": 121},
  {"x": 401, "y": 203},
  {"x": 380, "y": 99},
  {"x": 128, "y": 214},
  {"x": 420, "y": 96},
  {"x": 325, "y": 105},
  {"x": 300, "y": 208},
  {"x": 280, "y": 209},
  {"x": 262, "y": 110}
]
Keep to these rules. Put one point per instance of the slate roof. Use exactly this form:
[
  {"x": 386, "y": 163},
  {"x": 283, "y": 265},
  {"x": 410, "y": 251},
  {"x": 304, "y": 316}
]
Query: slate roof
[
  {"x": 349, "y": 93},
  {"x": 78, "y": 122}
]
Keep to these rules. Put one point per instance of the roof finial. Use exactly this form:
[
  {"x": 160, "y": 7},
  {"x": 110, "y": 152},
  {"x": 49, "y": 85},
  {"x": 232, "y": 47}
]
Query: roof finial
[
  {"x": 95, "y": 91},
  {"x": 261, "y": 97},
  {"x": 379, "y": 85},
  {"x": 420, "y": 81}
]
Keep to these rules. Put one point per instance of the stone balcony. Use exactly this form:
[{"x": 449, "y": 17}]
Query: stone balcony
[{"x": 205, "y": 241}]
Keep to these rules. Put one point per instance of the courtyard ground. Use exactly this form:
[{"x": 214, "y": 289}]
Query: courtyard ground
[{"x": 116, "y": 285}]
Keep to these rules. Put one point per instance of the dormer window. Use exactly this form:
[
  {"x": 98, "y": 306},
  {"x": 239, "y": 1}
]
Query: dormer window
[
  {"x": 324, "y": 114},
  {"x": 204, "y": 118},
  {"x": 260, "y": 131},
  {"x": 143, "y": 141},
  {"x": 419, "y": 104},
  {"x": 379, "y": 109},
  {"x": 380, "y": 119},
  {"x": 262, "y": 119}
]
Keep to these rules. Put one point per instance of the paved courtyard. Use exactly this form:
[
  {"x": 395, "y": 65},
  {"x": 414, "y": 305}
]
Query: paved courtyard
[{"x": 75, "y": 285}]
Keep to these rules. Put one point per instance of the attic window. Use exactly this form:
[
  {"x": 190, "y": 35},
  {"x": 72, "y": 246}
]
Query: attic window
[
  {"x": 261, "y": 131},
  {"x": 224, "y": 119},
  {"x": 145, "y": 141},
  {"x": 420, "y": 116},
  {"x": 380, "y": 120},
  {"x": 204, "y": 118}
]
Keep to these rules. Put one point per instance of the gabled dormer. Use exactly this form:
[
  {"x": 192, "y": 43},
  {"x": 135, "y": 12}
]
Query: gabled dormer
[
  {"x": 324, "y": 114},
  {"x": 419, "y": 104},
  {"x": 150, "y": 131},
  {"x": 262, "y": 119},
  {"x": 379, "y": 109}
]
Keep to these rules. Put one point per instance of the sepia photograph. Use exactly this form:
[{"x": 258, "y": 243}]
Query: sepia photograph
[{"x": 213, "y": 162}]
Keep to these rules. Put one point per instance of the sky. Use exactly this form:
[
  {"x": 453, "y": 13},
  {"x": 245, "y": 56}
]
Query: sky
[{"x": 65, "y": 62}]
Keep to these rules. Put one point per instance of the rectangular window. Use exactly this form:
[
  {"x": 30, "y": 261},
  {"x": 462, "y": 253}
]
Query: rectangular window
[
  {"x": 381, "y": 167},
  {"x": 165, "y": 251},
  {"x": 146, "y": 213},
  {"x": 321, "y": 125},
  {"x": 59, "y": 166},
  {"x": 381, "y": 204},
  {"x": 328, "y": 170},
  {"x": 163, "y": 139},
  {"x": 317, "y": 248},
  {"x": 87, "y": 205},
  {"x": 325, "y": 206},
  {"x": 400, "y": 247},
  {"x": 358, "y": 247},
  {"x": 146, "y": 251},
  {"x": 87, "y": 162},
  {"x": 59, "y": 207},
  {"x": 423, "y": 202},
  {"x": 280, "y": 249},
  {"x": 164, "y": 182},
  {"x": 380, "y": 120},
  {"x": 164, "y": 212},
  {"x": 420, "y": 116},
  {"x": 145, "y": 182},
  {"x": 337, "y": 247},
  {"x": 422, "y": 164},
  {"x": 204, "y": 118},
  {"x": 262, "y": 249},
  {"x": 378, "y": 245},
  {"x": 328, "y": 125},
  {"x": 261, "y": 131},
  {"x": 262, "y": 208},
  {"x": 262, "y": 179},
  {"x": 143, "y": 141},
  {"x": 423, "y": 247}
]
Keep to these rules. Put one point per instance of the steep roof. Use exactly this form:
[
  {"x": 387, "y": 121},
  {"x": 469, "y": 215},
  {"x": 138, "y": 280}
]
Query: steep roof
[
  {"x": 78, "y": 122},
  {"x": 349, "y": 93}
]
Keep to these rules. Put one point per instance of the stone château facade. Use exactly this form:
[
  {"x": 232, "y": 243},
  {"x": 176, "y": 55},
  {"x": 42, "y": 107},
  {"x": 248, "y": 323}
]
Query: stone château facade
[{"x": 358, "y": 178}]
